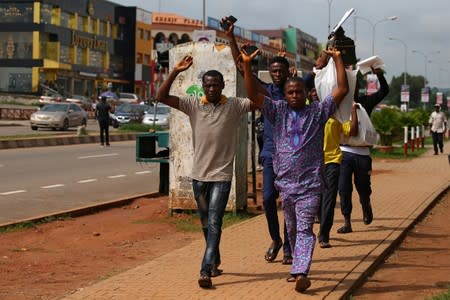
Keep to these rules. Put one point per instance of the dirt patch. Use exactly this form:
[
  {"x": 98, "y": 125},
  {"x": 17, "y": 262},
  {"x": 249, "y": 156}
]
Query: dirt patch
[{"x": 420, "y": 266}]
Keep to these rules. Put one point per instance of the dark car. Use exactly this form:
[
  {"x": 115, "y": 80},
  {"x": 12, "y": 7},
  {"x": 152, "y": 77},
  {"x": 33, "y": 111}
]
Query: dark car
[{"x": 126, "y": 113}]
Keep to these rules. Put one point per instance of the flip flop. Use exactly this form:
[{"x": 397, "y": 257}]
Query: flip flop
[
  {"x": 324, "y": 245},
  {"x": 273, "y": 250},
  {"x": 345, "y": 229},
  {"x": 287, "y": 259}
]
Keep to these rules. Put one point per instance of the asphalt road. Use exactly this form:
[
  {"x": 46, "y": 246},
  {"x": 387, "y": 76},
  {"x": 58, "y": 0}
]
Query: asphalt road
[{"x": 42, "y": 180}]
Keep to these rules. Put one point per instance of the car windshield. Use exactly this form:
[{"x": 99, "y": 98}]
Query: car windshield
[
  {"x": 55, "y": 107},
  {"x": 161, "y": 110}
]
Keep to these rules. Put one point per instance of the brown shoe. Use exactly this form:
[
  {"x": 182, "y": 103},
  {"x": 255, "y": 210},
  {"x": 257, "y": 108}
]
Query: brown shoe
[
  {"x": 302, "y": 283},
  {"x": 205, "y": 282}
]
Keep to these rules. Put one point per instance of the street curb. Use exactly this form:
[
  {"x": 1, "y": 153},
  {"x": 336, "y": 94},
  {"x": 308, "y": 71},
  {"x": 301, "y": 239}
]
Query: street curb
[
  {"x": 62, "y": 140},
  {"x": 356, "y": 277},
  {"x": 83, "y": 210}
]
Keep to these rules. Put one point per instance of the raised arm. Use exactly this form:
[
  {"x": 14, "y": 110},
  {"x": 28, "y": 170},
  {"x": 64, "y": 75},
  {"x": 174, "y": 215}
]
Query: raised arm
[
  {"x": 163, "y": 92},
  {"x": 253, "y": 93},
  {"x": 339, "y": 92}
]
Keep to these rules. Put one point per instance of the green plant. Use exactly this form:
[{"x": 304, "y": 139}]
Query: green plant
[
  {"x": 386, "y": 122},
  {"x": 442, "y": 296},
  {"x": 137, "y": 127}
]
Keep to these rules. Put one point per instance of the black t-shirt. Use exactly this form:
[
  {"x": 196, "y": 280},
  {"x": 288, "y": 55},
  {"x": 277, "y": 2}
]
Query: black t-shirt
[{"x": 102, "y": 111}]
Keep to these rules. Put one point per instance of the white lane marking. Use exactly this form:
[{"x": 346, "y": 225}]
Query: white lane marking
[
  {"x": 143, "y": 172},
  {"x": 52, "y": 186},
  {"x": 117, "y": 176},
  {"x": 87, "y": 180},
  {"x": 13, "y": 192},
  {"x": 97, "y": 156}
]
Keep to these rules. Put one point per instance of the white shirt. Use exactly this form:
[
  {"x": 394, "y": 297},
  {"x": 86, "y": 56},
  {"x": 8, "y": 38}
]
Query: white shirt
[{"x": 438, "y": 122}]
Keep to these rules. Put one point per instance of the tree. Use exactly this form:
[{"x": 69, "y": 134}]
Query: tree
[{"x": 415, "y": 89}]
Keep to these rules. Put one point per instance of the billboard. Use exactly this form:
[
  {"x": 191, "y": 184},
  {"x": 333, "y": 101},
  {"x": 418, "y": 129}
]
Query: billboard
[
  {"x": 404, "y": 96},
  {"x": 425, "y": 95}
]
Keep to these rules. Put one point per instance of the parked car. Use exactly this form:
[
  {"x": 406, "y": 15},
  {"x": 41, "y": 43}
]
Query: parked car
[
  {"x": 50, "y": 98},
  {"x": 160, "y": 118},
  {"x": 58, "y": 116},
  {"x": 81, "y": 100},
  {"x": 129, "y": 98},
  {"x": 126, "y": 113}
]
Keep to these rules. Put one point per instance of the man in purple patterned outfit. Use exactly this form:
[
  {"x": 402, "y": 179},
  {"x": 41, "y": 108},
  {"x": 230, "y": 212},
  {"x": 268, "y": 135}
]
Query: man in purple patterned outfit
[{"x": 298, "y": 131}]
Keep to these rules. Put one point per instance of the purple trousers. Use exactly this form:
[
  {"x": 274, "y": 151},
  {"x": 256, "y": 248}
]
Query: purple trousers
[{"x": 299, "y": 216}]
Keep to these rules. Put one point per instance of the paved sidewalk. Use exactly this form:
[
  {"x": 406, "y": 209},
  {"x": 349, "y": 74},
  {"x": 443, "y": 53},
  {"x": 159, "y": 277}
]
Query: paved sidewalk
[{"x": 398, "y": 200}]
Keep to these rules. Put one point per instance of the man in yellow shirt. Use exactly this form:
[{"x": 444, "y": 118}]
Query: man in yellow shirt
[{"x": 332, "y": 159}]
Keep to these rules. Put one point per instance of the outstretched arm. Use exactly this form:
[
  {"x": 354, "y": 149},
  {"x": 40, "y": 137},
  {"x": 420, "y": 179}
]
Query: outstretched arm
[
  {"x": 253, "y": 93},
  {"x": 163, "y": 92},
  {"x": 339, "y": 92}
]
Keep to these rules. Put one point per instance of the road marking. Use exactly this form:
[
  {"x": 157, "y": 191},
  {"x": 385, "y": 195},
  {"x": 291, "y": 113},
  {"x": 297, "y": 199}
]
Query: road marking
[
  {"x": 117, "y": 176},
  {"x": 13, "y": 192},
  {"x": 97, "y": 156},
  {"x": 52, "y": 186},
  {"x": 143, "y": 172},
  {"x": 87, "y": 180}
]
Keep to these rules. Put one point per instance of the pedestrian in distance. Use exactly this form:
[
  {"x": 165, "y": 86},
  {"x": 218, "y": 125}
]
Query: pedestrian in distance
[
  {"x": 357, "y": 163},
  {"x": 279, "y": 72},
  {"x": 102, "y": 111},
  {"x": 298, "y": 131},
  {"x": 438, "y": 127},
  {"x": 214, "y": 120}
]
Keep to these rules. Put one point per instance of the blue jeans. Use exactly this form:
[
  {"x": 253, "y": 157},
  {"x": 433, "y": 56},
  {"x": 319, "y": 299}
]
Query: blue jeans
[
  {"x": 211, "y": 198},
  {"x": 328, "y": 201},
  {"x": 361, "y": 167},
  {"x": 270, "y": 195}
]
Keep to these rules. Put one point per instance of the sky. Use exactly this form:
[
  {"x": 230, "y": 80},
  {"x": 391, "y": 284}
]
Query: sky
[{"x": 421, "y": 25}]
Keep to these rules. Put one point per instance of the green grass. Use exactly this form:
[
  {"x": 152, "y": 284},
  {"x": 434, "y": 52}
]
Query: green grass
[
  {"x": 31, "y": 135},
  {"x": 442, "y": 296},
  {"x": 398, "y": 152},
  {"x": 31, "y": 224},
  {"x": 137, "y": 127}
]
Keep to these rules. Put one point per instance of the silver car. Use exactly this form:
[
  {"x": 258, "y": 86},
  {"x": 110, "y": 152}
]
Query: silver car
[
  {"x": 58, "y": 116},
  {"x": 160, "y": 118}
]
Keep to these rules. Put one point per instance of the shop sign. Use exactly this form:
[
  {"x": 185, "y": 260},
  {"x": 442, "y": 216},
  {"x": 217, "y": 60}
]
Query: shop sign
[{"x": 88, "y": 42}]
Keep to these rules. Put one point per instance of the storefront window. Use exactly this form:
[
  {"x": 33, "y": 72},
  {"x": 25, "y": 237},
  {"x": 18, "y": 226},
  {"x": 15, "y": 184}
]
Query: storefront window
[
  {"x": 102, "y": 28},
  {"x": 82, "y": 23},
  {"x": 96, "y": 58},
  {"x": 66, "y": 20},
  {"x": 15, "y": 80},
  {"x": 16, "y": 12},
  {"x": 46, "y": 13},
  {"x": 65, "y": 54},
  {"x": 16, "y": 45}
]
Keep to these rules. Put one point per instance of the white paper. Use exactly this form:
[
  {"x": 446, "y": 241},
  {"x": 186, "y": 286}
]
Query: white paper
[
  {"x": 344, "y": 18},
  {"x": 365, "y": 66}
]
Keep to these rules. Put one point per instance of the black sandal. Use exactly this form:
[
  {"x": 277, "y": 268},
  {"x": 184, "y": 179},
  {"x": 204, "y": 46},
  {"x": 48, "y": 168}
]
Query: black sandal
[
  {"x": 287, "y": 259},
  {"x": 345, "y": 229},
  {"x": 273, "y": 250}
]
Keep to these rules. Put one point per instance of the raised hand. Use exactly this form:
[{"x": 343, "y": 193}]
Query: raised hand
[
  {"x": 248, "y": 57},
  {"x": 184, "y": 63}
]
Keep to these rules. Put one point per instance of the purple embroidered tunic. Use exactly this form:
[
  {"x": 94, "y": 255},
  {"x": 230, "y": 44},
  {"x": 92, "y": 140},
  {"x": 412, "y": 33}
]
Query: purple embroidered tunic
[{"x": 298, "y": 137}]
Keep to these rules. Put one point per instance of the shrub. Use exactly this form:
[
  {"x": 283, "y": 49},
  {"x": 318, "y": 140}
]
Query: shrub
[
  {"x": 138, "y": 127},
  {"x": 386, "y": 123}
]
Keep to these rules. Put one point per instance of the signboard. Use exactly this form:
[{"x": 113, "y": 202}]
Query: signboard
[
  {"x": 404, "y": 97},
  {"x": 439, "y": 98},
  {"x": 425, "y": 95},
  {"x": 372, "y": 83}
]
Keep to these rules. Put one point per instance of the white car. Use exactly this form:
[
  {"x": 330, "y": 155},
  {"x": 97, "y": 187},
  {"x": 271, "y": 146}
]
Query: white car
[
  {"x": 129, "y": 98},
  {"x": 158, "y": 115},
  {"x": 58, "y": 116}
]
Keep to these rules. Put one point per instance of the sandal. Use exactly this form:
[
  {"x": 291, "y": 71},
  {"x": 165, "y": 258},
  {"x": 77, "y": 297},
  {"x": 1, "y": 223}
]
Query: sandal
[
  {"x": 345, "y": 229},
  {"x": 292, "y": 278},
  {"x": 216, "y": 271},
  {"x": 324, "y": 245},
  {"x": 205, "y": 282},
  {"x": 273, "y": 250},
  {"x": 302, "y": 283},
  {"x": 287, "y": 259}
]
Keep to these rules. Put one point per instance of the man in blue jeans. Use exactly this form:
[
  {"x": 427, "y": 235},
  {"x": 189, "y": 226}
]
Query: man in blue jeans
[
  {"x": 279, "y": 72},
  {"x": 214, "y": 120}
]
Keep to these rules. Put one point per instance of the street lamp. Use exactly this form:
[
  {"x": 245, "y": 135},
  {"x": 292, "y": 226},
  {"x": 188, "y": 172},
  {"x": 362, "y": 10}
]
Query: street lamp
[
  {"x": 329, "y": 15},
  {"x": 425, "y": 56},
  {"x": 406, "y": 63},
  {"x": 391, "y": 18}
]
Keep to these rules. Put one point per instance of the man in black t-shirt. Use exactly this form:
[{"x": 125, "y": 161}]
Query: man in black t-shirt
[{"x": 102, "y": 111}]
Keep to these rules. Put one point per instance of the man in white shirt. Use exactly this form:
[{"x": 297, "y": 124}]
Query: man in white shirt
[{"x": 438, "y": 126}]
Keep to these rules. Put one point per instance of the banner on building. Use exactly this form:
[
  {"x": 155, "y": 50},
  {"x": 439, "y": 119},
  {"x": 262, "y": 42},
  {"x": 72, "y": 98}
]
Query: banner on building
[
  {"x": 425, "y": 95},
  {"x": 372, "y": 83},
  {"x": 404, "y": 96},
  {"x": 204, "y": 36},
  {"x": 439, "y": 98}
]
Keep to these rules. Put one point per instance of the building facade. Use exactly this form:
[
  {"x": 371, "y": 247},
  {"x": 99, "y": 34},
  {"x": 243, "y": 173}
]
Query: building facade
[{"x": 76, "y": 46}]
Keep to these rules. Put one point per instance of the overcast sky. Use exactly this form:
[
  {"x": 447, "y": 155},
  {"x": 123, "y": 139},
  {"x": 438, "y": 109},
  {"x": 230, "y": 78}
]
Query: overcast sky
[{"x": 423, "y": 25}]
